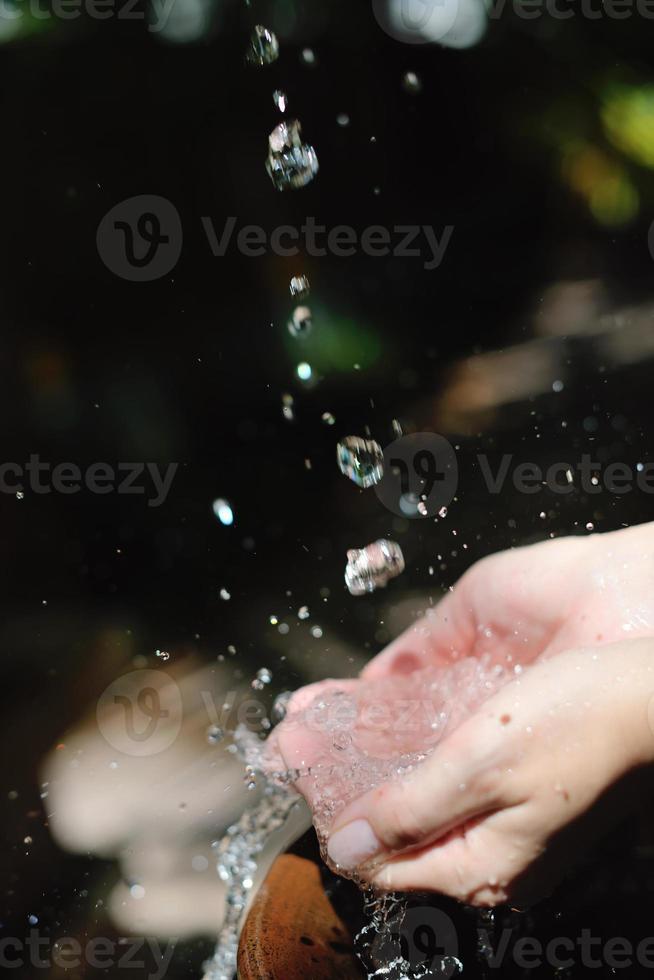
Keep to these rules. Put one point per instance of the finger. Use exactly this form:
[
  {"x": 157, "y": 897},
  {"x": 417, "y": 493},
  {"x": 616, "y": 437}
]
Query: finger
[
  {"x": 444, "y": 634},
  {"x": 474, "y": 865},
  {"x": 461, "y": 780}
]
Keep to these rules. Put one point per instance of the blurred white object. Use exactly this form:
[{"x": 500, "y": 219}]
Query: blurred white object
[{"x": 453, "y": 23}]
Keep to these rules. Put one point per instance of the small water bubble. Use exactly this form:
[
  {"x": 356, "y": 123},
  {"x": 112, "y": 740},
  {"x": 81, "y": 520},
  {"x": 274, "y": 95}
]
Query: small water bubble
[
  {"x": 557, "y": 386},
  {"x": 33, "y": 920},
  {"x": 225, "y": 595},
  {"x": 301, "y": 322},
  {"x": 373, "y": 567},
  {"x": 411, "y": 83},
  {"x": 287, "y": 407},
  {"x": 223, "y": 511},
  {"x": 27, "y": 840},
  {"x": 280, "y": 706},
  {"x": 316, "y": 632},
  {"x": 342, "y": 741},
  {"x": 590, "y": 526},
  {"x": 300, "y": 287},
  {"x": 343, "y": 119},
  {"x": 264, "y": 47},
  {"x": 328, "y": 418},
  {"x": 280, "y": 99},
  {"x": 273, "y": 620},
  {"x": 303, "y": 612},
  {"x": 215, "y": 735},
  {"x": 304, "y": 371},
  {"x": 308, "y": 57},
  {"x": 362, "y": 460},
  {"x": 264, "y": 677},
  {"x": 162, "y": 655},
  {"x": 290, "y": 163}
]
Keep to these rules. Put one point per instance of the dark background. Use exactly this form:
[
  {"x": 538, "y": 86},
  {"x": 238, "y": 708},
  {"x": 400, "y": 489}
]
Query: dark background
[{"x": 191, "y": 368}]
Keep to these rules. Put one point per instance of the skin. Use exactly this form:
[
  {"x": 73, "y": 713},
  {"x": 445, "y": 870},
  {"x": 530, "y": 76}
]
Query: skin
[{"x": 504, "y": 803}]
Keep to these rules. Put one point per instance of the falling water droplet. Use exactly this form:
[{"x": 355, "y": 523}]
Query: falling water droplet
[
  {"x": 290, "y": 163},
  {"x": 301, "y": 322},
  {"x": 328, "y": 418},
  {"x": 280, "y": 706},
  {"x": 280, "y": 99},
  {"x": 264, "y": 47},
  {"x": 300, "y": 287},
  {"x": 264, "y": 677},
  {"x": 225, "y": 595},
  {"x": 411, "y": 83},
  {"x": 223, "y": 511},
  {"x": 308, "y": 57},
  {"x": 372, "y": 567},
  {"x": 215, "y": 735},
  {"x": 303, "y": 612},
  {"x": 304, "y": 371},
  {"x": 362, "y": 460},
  {"x": 163, "y": 655},
  {"x": 343, "y": 119}
]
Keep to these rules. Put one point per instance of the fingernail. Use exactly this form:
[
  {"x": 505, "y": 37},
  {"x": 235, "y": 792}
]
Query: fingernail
[{"x": 353, "y": 844}]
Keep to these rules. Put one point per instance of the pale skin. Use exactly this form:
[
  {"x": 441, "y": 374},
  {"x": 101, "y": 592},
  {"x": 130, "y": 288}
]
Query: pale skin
[{"x": 498, "y": 810}]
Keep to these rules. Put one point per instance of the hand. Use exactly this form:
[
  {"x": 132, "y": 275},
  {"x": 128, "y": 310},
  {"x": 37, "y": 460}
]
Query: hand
[
  {"x": 534, "y": 602},
  {"x": 496, "y": 812}
]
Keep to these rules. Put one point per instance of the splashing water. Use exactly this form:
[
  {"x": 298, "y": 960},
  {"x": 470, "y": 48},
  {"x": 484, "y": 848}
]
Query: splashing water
[
  {"x": 237, "y": 867},
  {"x": 264, "y": 47},
  {"x": 290, "y": 163},
  {"x": 361, "y": 460},
  {"x": 373, "y": 567}
]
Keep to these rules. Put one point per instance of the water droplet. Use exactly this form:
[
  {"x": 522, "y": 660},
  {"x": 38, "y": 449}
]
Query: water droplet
[
  {"x": 287, "y": 407},
  {"x": 372, "y": 567},
  {"x": 343, "y": 119},
  {"x": 397, "y": 428},
  {"x": 422, "y": 508},
  {"x": 280, "y": 99},
  {"x": 225, "y": 595},
  {"x": 162, "y": 654},
  {"x": 304, "y": 371},
  {"x": 290, "y": 163},
  {"x": 342, "y": 741},
  {"x": 280, "y": 706},
  {"x": 303, "y": 612},
  {"x": 328, "y": 418},
  {"x": 223, "y": 511},
  {"x": 264, "y": 47},
  {"x": 316, "y": 632},
  {"x": 215, "y": 735},
  {"x": 301, "y": 322},
  {"x": 20, "y": 495},
  {"x": 308, "y": 57},
  {"x": 411, "y": 83},
  {"x": 590, "y": 526},
  {"x": 362, "y": 460},
  {"x": 300, "y": 287},
  {"x": 442, "y": 512},
  {"x": 27, "y": 840},
  {"x": 264, "y": 677},
  {"x": 557, "y": 386}
]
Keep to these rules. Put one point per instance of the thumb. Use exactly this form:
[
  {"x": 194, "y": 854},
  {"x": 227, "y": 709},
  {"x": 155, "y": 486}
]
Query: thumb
[{"x": 461, "y": 780}]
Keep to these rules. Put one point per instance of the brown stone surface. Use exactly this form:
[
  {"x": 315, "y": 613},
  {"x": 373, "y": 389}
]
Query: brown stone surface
[{"x": 292, "y": 930}]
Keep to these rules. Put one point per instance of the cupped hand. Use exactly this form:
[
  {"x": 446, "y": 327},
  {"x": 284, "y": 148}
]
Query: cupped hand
[
  {"x": 496, "y": 813},
  {"x": 534, "y": 602}
]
